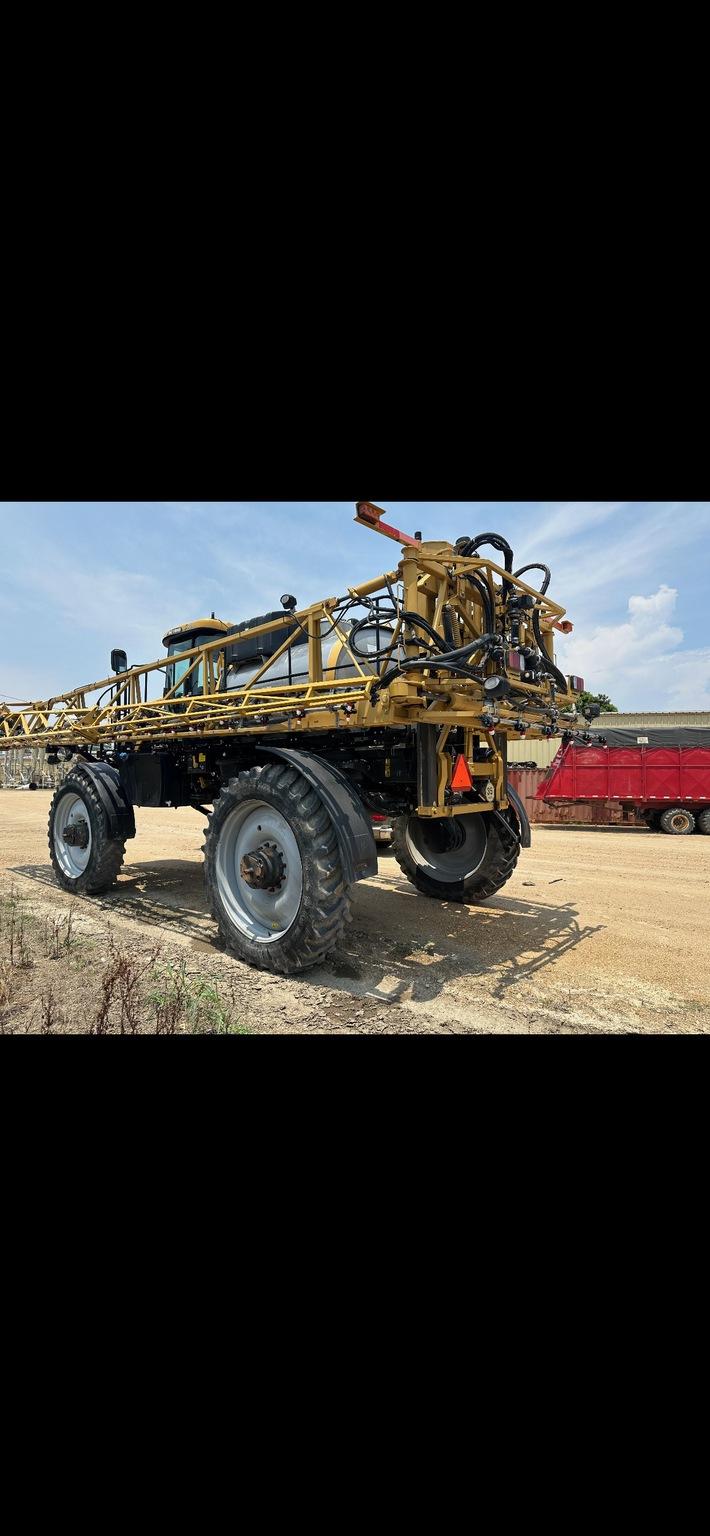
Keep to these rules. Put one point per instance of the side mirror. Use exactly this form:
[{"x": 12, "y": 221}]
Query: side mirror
[
  {"x": 119, "y": 661},
  {"x": 592, "y": 711}
]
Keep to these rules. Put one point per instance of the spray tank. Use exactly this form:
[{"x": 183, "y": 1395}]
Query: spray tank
[{"x": 246, "y": 657}]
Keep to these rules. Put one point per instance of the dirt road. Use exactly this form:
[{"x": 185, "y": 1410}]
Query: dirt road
[{"x": 598, "y": 931}]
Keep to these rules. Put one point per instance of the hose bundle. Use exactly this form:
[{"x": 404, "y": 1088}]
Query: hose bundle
[{"x": 445, "y": 653}]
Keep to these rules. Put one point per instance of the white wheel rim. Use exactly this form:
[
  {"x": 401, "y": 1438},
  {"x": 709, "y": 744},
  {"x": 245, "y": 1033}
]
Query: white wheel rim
[
  {"x": 72, "y": 860},
  {"x": 261, "y": 915}
]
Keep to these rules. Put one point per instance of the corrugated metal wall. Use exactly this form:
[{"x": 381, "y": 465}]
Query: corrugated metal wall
[
  {"x": 648, "y": 717},
  {"x": 540, "y": 752}
]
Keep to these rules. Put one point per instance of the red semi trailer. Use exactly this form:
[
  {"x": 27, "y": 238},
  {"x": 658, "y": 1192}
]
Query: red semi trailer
[{"x": 662, "y": 774}]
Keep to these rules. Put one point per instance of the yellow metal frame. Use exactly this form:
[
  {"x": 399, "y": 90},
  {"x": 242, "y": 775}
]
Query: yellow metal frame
[{"x": 433, "y": 577}]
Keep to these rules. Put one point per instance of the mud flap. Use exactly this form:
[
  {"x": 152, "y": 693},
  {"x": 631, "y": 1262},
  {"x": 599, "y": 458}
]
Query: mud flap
[
  {"x": 108, "y": 786},
  {"x": 350, "y": 819},
  {"x": 521, "y": 816}
]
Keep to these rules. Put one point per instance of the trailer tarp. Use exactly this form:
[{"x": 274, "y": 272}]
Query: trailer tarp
[{"x": 651, "y": 736}]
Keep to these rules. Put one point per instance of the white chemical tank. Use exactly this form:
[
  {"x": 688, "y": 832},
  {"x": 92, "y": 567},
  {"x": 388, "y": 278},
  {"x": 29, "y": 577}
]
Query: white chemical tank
[{"x": 292, "y": 667}]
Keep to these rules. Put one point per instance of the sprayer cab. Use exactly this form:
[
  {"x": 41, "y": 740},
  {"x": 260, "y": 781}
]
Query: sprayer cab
[{"x": 188, "y": 637}]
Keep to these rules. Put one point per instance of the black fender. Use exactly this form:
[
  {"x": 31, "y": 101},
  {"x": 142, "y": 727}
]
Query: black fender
[
  {"x": 521, "y": 816},
  {"x": 350, "y": 819},
  {"x": 107, "y": 783}
]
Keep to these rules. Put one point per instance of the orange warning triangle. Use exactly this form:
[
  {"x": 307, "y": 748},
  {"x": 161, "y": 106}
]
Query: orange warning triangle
[{"x": 461, "y": 778}]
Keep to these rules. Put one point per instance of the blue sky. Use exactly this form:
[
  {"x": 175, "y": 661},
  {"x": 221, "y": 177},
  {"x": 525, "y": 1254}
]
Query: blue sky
[{"x": 78, "y": 578}]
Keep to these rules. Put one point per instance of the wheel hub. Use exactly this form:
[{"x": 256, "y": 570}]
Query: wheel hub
[
  {"x": 259, "y": 871},
  {"x": 263, "y": 869},
  {"x": 71, "y": 834},
  {"x": 77, "y": 834}
]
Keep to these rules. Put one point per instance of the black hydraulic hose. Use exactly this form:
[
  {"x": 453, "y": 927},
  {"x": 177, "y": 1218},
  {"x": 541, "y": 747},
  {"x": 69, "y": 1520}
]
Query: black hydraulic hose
[
  {"x": 484, "y": 594},
  {"x": 496, "y": 541},
  {"x": 338, "y": 616},
  {"x": 443, "y": 655},
  {"x": 547, "y": 664},
  {"x": 447, "y": 642},
  {"x": 464, "y": 652},
  {"x": 414, "y": 620},
  {"x": 537, "y": 566},
  {"x": 452, "y": 661},
  {"x": 370, "y": 622},
  {"x": 468, "y": 547},
  {"x": 444, "y": 665}
]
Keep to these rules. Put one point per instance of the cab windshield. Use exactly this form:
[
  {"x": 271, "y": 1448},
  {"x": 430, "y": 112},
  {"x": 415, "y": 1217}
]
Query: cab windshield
[{"x": 177, "y": 670}]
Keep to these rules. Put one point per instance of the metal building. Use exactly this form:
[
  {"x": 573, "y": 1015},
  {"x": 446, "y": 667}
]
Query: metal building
[{"x": 628, "y": 721}]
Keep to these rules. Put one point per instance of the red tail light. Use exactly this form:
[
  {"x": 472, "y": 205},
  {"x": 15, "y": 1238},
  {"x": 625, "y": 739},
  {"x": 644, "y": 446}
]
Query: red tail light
[{"x": 577, "y": 684}]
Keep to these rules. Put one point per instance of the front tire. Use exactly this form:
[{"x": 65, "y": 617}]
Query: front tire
[
  {"x": 704, "y": 822},
  {"x": 273, "y": 871},
  {"x": 678, "y": 821},
  {"x": 85, "y": 857},
  {"x": 464, "y": 858}
]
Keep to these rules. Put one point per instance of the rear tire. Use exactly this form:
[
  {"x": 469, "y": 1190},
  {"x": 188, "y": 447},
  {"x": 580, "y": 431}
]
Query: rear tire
[
  {"x": 94, "y": 867},
  {"x": 286, "y": 908},
  {"x": 678, "y": 821},
  {"x": 704, "y": 822},
  {"x": 463, "y": 859}
]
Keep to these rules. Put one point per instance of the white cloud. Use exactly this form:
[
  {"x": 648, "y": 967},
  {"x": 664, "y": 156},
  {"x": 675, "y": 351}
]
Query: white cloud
[
  {"x": 596, "y": 549},
  {"x": 639, "y": 663}
]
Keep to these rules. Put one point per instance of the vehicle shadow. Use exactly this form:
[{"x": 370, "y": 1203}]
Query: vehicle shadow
[
  {"x": 166, "y": 893},
  {"x": 407, "y": 947},
  {"x": 400, "y": 946}
]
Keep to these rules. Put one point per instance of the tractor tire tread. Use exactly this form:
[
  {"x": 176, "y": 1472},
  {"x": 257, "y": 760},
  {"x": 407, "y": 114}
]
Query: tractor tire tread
[
  {"x": 324, "y": 915},
  {"x": 666, "y": 821},
  {"x": 501, "y": 857},
  {"x": 107, "y": 853}
]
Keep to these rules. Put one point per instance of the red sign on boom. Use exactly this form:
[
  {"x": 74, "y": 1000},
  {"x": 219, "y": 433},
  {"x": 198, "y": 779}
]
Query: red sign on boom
[{"x": 370, "y": 516}]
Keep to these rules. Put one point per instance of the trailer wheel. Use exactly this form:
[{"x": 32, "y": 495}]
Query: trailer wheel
[
  {"x": 463, "y": 858},
  {"x": 85, "y": 857},
  {"x": 678, "y": 821},
  {"x": 704, "y": 822},
  {"x": 273, "y": 871}
]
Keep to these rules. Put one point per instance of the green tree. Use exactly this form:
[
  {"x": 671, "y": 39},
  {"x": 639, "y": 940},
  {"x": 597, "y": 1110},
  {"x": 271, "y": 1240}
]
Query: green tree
[{"x": 597, "y": 698}]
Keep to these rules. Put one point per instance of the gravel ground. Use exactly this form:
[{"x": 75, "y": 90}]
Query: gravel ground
[{"x": 599, "y": 931}]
